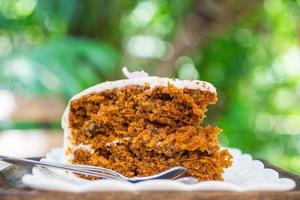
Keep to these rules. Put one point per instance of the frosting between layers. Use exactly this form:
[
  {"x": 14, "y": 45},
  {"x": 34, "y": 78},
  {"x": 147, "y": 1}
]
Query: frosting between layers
[{"x": 134, "y": 79}]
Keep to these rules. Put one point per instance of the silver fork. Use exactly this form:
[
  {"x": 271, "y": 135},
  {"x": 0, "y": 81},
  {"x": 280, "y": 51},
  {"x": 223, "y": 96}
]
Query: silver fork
[{"x": 99, "y": 172}]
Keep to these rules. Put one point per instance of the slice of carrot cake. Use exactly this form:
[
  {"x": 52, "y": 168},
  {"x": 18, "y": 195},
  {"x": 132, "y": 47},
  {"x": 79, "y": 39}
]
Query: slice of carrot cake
[{"x": 143, "y": 125}]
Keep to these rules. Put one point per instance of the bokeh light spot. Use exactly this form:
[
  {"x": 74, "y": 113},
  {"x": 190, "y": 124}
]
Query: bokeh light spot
[
  {"x": 188, "y": 71},
  {"x": 264, "y": 122},
  {"x": 25, "y": 7},
  {"x": 273, "y": 6},
  {"x": 143, "y": 13},
  {"x": 50, "y": 80},
  {"x": 284, "y": 98},
  {"x": 55, "y": 24},
  {"x": 291, "y": 62},
  {"x": 245, "y": 38},
  {"x": 34, "y": 35},
  {"x": 262, "y": 78},
  {"x": 146, "y": 46},
  {"x": 183, "y": 60},
  {"x": 13, "y": 9},
  {"x": 291, "y": 125},
  {"x": 20, "y": 68}
]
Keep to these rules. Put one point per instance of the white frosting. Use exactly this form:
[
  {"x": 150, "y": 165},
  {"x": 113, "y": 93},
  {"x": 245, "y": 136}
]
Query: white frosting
[
  {"x": 112, "y": 143},
  {"x": 137, "y": 74},
  {"x": 84, "y": 147},
  {"x": 117, "y": 141},
  {"x": 135, "y": 78}
]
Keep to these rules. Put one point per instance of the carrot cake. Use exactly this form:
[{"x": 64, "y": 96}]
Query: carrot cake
[{"x": 143, "y": 125}]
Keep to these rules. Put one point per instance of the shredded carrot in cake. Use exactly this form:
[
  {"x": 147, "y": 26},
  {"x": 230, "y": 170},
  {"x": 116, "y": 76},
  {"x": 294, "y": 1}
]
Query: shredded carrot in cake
[{"x": 139, "y": 131}]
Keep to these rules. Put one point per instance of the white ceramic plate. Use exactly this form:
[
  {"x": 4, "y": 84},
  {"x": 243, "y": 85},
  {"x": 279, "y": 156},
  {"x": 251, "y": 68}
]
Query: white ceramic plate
[{"x": 245, "y": 174}]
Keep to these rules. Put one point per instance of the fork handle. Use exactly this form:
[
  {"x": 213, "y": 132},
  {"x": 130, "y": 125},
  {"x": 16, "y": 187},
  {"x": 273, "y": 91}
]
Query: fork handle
[{"x": 26, "y": 162}]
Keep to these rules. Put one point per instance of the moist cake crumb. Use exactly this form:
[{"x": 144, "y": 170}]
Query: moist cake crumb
[{"x": 138, "y": 131}]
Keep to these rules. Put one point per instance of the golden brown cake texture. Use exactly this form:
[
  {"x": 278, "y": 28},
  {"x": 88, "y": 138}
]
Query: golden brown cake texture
[{"x": 139, "y": 131}]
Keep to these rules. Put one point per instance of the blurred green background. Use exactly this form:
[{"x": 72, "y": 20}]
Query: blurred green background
[{"x": 248, "y": 49}]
